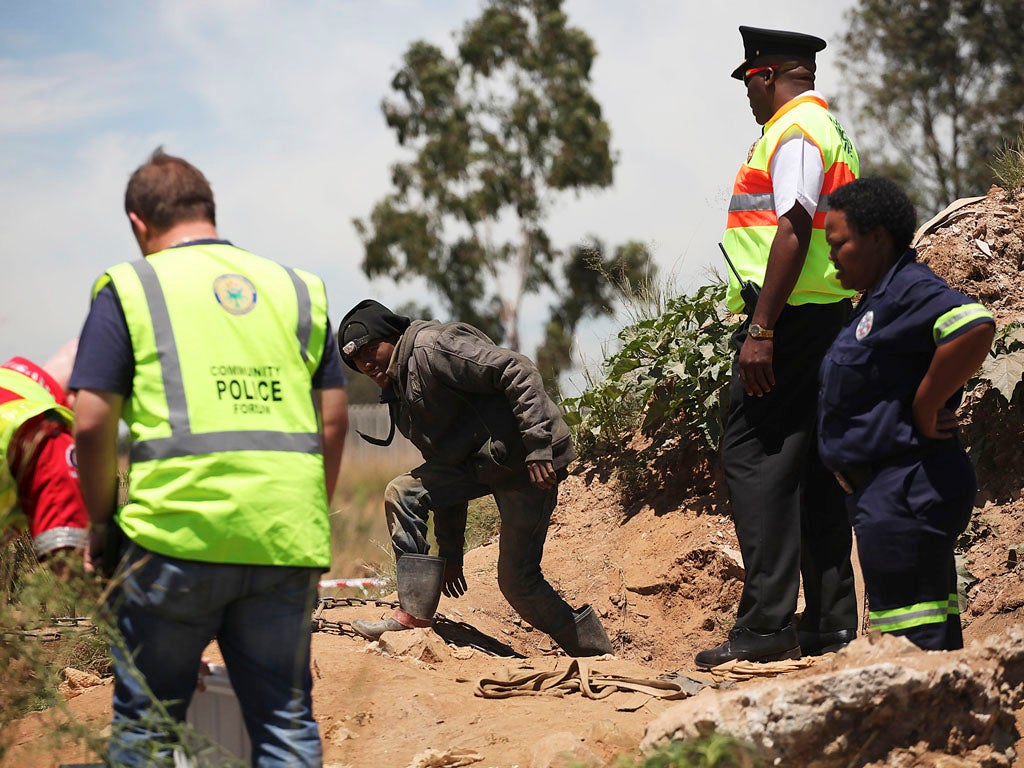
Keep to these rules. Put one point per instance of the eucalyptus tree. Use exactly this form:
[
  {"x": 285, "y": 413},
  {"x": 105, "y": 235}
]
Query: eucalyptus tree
[
  {"x": 496, "y": 135},
  {"x": 939, "y": 88}
]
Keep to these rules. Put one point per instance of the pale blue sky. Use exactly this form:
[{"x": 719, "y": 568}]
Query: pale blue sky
[{"x": 279, "y": 104}]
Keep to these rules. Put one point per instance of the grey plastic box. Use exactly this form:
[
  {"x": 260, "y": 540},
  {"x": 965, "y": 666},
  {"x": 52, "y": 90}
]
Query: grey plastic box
[{"x": 216, "y": 714}]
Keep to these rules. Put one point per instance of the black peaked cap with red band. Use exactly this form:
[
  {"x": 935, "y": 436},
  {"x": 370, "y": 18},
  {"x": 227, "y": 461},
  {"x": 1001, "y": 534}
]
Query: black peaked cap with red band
[{"x": 771, "y": 42}]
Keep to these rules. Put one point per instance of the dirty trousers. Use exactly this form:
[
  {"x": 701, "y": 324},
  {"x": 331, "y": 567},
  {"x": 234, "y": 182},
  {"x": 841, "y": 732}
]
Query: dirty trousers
[{"x": 525, "y": 512}]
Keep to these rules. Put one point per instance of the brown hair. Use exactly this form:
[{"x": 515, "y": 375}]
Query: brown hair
[{"x": 167, "y": 190}]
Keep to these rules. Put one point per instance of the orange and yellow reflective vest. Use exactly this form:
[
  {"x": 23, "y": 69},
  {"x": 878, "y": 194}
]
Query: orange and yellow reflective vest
[{"x": 753, "y": 222}]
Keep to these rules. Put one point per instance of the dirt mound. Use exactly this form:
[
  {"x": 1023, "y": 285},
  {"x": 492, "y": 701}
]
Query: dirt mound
[
  {"x": 889, "y": 693},
  {"x": 977, "y": 245}
]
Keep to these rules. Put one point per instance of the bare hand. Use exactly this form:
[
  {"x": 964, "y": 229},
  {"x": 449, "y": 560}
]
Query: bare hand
[
  {"x": 542, "y": 473},
  {"x": 938, "y": 425},
  {"x": 94, "y": 550},
  {"x": 453, "y": 581},
  {"x": 755, "y": 366},
  {"x": 204, "y": 672}
]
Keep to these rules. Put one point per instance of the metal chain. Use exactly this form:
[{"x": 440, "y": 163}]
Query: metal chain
[
  {"x": 342, "y": 602},
  {"x": 320, "y": 624},
  {"x": 71, "y": 625},
  {"x": 344, "y": 628}
]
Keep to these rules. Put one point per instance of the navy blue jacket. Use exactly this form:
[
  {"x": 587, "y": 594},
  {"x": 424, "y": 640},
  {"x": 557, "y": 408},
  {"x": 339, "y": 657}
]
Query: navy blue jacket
[{"x": 872, "y": 371}]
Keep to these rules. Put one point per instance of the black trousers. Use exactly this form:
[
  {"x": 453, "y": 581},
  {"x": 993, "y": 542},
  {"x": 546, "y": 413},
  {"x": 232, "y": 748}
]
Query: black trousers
[{"x": 788, "y": 510}]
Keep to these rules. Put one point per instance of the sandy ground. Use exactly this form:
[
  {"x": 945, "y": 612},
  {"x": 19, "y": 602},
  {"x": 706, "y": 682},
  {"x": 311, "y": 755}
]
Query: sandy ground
[{"x": 666, "y": 585}]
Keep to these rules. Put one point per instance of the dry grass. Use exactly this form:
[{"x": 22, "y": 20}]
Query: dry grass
[
  {"x": 1008, "y": 164},
  {"x": 360, "y": 541},
  {"x": 32, "y": 659},
  {"x": 359, "y": 532}
]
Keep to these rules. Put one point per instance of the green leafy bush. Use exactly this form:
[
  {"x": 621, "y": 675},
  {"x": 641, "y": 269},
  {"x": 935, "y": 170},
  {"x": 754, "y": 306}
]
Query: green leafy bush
[
  {"x": 674, "y": 366},
  {"x": 1004, "y": 367},
  {"x": 992, "y": 417}
]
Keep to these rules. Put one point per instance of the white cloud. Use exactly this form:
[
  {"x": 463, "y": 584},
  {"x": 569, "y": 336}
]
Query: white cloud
[{"x": 61, "y": 91}]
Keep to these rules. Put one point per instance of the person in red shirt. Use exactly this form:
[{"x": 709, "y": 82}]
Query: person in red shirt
[{"x": 39, "y": 490}]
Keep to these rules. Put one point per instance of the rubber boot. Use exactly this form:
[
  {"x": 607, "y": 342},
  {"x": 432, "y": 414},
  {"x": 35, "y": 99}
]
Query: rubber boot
[
  {"x": 372, "y": 630},
  {"x": 419, "y": 585},
  {"x": 419, "y": 591},
  {"x": 585, "y": 636}
]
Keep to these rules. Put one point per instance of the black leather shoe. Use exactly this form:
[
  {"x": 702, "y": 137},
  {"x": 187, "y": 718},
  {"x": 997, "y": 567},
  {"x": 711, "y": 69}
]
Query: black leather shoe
[
  {"x": 817, "y": 643},
  {"x": 746, "y": 645}
]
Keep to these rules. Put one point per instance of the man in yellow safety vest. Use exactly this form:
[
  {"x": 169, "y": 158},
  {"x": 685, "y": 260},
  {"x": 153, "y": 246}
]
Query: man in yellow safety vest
[{"x": 224, "y": 367}]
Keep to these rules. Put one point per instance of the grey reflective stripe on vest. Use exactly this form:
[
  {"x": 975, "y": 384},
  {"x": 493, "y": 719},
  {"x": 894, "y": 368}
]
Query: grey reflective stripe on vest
[
  {"x": 305, "y": 329},
  {"x": 766, "y": 202},
  {"x": 759, "y": 202},
  {"x": 305, "y": 310},
  {"x": 166, "y": 349},
  {"x": 177, "y": 445},
  {"x": 182, "y": 441}
]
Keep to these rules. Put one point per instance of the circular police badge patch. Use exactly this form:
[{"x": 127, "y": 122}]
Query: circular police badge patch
[
  {"x": 235, "y": 293},
  {"x": 864, "y": 326}
]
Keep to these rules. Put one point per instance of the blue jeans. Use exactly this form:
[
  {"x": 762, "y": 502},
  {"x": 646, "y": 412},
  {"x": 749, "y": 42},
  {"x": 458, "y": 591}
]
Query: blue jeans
[{"x": 168, "y": 610}]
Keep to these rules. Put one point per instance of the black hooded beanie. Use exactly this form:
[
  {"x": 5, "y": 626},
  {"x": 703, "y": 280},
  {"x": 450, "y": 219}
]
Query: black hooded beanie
[{"x": 367, "y": 322}]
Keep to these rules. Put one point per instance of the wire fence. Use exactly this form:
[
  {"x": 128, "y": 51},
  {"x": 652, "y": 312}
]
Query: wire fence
[{"x": 374, "y": 421}]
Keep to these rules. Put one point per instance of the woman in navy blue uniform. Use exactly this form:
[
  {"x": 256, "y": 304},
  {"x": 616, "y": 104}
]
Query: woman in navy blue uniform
[{"x": 890, "y": 386}]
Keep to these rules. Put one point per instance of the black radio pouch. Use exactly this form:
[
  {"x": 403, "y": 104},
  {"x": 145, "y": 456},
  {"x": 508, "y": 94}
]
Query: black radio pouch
[{"x": 749, "y": 291}]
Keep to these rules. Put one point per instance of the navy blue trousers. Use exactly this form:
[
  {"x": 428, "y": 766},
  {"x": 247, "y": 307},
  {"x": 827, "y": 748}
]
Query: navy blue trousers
[{"x": 907, "y": 520}]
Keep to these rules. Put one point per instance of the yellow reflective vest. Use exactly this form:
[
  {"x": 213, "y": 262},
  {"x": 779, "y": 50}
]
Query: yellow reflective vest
[
  {"x": 33, "y": 399},
  {"x": 753, "y": 222},
  {"x": 226, "y": 456}
]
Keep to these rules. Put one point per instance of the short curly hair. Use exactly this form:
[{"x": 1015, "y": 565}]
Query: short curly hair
[{"x": 874, "y": 201}]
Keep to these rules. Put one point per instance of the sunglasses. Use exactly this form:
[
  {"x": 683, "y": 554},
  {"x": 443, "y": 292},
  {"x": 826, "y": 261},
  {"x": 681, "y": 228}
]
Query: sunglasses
[{"x": 748, "y": 74}]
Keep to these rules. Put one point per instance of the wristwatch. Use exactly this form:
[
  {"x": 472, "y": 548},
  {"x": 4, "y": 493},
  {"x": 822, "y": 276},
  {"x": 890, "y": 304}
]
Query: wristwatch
[{"x": 760, "y": 332}]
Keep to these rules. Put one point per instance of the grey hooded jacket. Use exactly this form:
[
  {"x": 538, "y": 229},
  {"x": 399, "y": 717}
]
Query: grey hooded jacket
[{"x": 462, "y": 398}]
